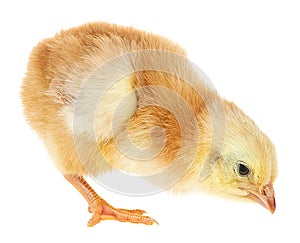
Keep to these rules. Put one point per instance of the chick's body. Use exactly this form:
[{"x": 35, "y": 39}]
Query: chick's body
[{"x": 102, "y": 96}]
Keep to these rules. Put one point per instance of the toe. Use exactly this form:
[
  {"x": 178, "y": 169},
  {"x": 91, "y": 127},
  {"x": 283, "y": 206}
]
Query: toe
[
  {"x": 134, "y": 211},
  {"x": 134, "y": 218},
  {"x": 95, "y": 219}
]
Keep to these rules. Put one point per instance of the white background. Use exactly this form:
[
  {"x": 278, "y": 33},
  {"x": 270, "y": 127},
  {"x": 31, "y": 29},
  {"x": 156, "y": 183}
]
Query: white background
[{"x": 251, "y": 52}]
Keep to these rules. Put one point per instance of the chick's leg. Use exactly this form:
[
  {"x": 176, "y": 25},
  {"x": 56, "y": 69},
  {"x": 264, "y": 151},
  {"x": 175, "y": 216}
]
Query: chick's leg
[{"x": 102, "y": 210}]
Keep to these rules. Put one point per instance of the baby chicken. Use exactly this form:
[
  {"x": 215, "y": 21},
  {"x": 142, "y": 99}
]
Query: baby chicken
[{"x": 104, "y": 97}]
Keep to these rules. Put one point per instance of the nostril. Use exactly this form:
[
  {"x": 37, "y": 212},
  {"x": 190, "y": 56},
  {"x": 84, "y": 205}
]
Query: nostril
[{"x": 268, "y": 190}]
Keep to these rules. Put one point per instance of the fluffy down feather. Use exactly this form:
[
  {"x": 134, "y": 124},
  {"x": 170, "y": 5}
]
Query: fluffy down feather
[{"x": 123, "y": 96}]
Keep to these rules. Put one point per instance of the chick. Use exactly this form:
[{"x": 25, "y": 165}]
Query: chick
[{"x": 104, "y": 97}]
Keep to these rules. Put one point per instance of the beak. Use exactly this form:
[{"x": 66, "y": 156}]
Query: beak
[{"x": 265, "y": 197}]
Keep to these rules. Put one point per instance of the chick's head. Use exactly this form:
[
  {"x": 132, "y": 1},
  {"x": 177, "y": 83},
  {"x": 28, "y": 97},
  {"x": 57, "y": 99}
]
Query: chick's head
[{"x": 247, "y": 165}]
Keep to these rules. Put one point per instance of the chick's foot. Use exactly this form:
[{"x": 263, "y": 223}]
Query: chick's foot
[{"x": 103, "y": 211}]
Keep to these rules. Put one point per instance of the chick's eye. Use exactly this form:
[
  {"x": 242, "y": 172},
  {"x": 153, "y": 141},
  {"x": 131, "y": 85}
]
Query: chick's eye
[{"x": 243, "y": 170}]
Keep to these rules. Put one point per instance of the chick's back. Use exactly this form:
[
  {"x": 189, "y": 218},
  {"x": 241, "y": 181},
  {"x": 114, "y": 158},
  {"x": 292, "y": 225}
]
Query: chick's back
[{"x": 57, "y": 69}]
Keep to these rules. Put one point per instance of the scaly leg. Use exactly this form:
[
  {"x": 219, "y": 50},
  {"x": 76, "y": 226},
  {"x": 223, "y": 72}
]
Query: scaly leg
[{"x": 102, "y": 210}]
